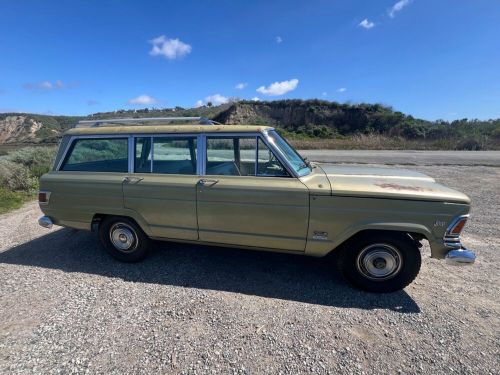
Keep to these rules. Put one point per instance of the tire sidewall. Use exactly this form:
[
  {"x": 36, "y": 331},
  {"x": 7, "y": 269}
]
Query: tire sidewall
[
  {"x": 411, "y": 262},
  {"x": 140, "y": 250}
]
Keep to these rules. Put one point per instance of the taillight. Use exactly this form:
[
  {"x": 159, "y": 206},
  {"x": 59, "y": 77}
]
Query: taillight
[{"x": 43, "y": 197}]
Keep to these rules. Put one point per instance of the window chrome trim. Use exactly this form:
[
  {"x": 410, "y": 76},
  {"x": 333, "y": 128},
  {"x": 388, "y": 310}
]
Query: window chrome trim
[
  {"x": 281, "y": 156},
  {"x": 131, "y": 154},
  {"x": 201, "y": 147},
  {"x": 152, "y": 151},
  {"x": 256, "y": 166}
]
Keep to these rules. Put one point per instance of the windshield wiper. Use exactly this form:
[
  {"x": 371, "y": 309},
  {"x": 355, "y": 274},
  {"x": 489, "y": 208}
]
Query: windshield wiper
[{"x": 304, "y": 165}]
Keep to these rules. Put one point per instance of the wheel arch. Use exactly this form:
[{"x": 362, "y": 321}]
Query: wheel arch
[
  {"x": 97, "y": 219},
  {"x": 410, "y": 236}
]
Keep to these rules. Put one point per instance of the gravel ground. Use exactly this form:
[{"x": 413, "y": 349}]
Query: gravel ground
[{"x": 67, "y": 307}]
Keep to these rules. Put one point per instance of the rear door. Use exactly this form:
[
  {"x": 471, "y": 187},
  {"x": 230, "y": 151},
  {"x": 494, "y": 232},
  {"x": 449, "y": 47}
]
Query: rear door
[
  {"x": 247, "y": 197},
  {"x": 88, "y": 180},
  {"x": 162, "y": 187}
]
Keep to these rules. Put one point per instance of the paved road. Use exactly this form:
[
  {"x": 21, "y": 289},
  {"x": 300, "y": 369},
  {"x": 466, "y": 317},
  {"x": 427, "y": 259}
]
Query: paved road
[{"x": 485, "y": 158}]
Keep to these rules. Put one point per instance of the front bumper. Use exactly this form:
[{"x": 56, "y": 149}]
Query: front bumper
[{"x": 460, "y": 256}]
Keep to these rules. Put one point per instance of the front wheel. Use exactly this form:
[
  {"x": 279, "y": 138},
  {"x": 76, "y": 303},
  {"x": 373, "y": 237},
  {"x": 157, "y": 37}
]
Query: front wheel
[
  {"x": 123, "y": 239},
  {"x": 380, "y": 263}
]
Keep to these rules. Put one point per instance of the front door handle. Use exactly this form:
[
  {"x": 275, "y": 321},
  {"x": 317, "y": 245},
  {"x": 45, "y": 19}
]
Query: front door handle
[
  {"x": 132, "y": 180},
  {"x": 207, "y": 182}
]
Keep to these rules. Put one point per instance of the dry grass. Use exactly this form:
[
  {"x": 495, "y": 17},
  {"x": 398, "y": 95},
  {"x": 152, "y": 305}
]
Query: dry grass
[{"x": 381, "y": 142}]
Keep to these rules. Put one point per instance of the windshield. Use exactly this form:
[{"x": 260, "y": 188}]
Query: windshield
[{"x": 294, "y": 159}]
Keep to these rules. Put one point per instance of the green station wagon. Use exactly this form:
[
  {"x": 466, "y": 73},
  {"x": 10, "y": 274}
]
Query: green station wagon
[{"x": 134, "y": 180}]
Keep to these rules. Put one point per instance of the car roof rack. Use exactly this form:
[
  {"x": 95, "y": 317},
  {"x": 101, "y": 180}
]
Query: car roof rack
[{"x": 142, "y": 121}]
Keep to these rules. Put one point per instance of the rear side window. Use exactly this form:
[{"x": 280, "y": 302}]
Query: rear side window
[
  {"x": 166, "y": 155},
  {"x": 97, "y": 155}
]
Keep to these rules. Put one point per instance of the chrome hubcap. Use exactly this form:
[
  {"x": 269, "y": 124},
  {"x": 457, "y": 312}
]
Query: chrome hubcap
[
  {"x": 123, "y": 237},
  {"x": 379, "y": 261}
]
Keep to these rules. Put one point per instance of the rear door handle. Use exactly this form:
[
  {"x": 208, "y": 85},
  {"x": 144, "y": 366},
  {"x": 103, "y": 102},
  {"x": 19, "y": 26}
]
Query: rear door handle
[
  {"x": 207, "y": 182},
  {"x": 132, "y": 180}
]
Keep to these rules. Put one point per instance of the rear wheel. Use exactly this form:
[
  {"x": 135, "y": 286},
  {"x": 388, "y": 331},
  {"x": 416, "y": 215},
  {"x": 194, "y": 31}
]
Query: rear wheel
[
  {"x": 123, "y": 239},
  {"x": 381, "y": 262}
]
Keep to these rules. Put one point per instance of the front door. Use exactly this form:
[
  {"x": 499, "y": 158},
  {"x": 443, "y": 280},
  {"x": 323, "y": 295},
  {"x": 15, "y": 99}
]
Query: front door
[
  {"x": 248, "y": 198},
  {"x": 162, "y": 188}
]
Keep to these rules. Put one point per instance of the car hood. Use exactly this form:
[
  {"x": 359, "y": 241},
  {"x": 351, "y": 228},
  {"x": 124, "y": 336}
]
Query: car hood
[{"x": 388, "y": 183}]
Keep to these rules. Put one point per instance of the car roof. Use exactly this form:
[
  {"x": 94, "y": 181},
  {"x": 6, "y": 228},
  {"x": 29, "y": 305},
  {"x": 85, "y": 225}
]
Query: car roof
[{"x": 167, "y": 129}]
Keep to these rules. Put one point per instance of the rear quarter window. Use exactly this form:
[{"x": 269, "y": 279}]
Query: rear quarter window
[{"x": 97, "y": 155}]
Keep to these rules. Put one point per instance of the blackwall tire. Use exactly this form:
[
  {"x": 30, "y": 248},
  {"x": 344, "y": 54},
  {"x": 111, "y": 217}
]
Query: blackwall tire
[
  {"x": 123, "y": 239},
  {"x": 380, "y": 263}
]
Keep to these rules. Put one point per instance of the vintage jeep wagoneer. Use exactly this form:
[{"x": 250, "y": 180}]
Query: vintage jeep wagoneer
[{"x": 245, "y": 186}]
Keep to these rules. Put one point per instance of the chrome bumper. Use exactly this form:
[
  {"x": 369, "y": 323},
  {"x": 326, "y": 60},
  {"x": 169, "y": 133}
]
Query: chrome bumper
[
  {"x": 460, "y": 256},
  {"x": 45, "y": 222}
]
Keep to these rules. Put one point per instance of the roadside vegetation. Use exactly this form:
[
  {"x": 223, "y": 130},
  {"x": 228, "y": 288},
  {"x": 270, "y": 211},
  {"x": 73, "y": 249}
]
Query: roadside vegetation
[
  {"x": 308, "y": 123},
  {"x": 20, "y": 171},
  {"x": 322, "y": 124}
]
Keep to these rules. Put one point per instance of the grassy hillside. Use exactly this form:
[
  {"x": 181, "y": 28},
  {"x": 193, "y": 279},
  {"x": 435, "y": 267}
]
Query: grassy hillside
[
  {"x": 313, "y": 123},
  {"x": 308, "y": 123}
]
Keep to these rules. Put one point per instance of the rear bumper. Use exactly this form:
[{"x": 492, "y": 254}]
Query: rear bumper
[
  {"x": 460, "y": 256},
  {"x": 45, "y": 222}
]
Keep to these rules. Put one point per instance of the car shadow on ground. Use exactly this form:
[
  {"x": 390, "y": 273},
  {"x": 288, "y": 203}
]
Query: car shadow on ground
[{"x": 272, "y": 275}]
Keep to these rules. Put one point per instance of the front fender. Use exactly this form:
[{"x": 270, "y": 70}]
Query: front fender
[{"x": 340, "y": 218}]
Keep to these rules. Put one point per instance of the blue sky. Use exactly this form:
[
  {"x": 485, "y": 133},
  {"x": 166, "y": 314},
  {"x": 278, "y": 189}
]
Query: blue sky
[{"x": 432, "y": 59}]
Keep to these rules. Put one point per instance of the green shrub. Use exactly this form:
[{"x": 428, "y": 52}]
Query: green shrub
[
  {"x": 16, "y": 177},
  {"x": 469, "y": 144},
  {"x": 10, "y": 200},
  {"x": 38, "y": 160}
]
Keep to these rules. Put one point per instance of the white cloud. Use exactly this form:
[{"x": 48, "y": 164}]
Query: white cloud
[
  {"x": 342, "y": 89},
  {"x": 366, "y": 24},
  {"x": 279, "y": 39},
  {"x": 169, "y": 48},
  {"x": 255, "y": 99},
  {"x": 279, "y": 88},
  {"x": 398, "y": 7},
  {"x": 142, "y": 100},
  {"x": 215, "y": 99},
  {"x": 48, "y": 85},
  {"x": 241, "y": 86},
  {"x": 324, "y": 93}
]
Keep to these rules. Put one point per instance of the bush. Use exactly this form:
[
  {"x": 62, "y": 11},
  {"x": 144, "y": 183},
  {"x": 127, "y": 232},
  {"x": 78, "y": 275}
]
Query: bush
[
  {"x": 21, "y": 169},
  {"x": 38, "y": 160},
  {"x": 16, "y": 177},
  {"x": 10, "y": 200},
  {"x": 469, "y": 144}
]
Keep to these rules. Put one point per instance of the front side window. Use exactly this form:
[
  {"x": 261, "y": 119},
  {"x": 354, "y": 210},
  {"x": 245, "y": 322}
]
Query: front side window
[
  {"x": 165, "y": 155},
  {"x": 97, "y": 155},
  {"x": 267, "y": 164},
  {"x": 241, "y": 156}
]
